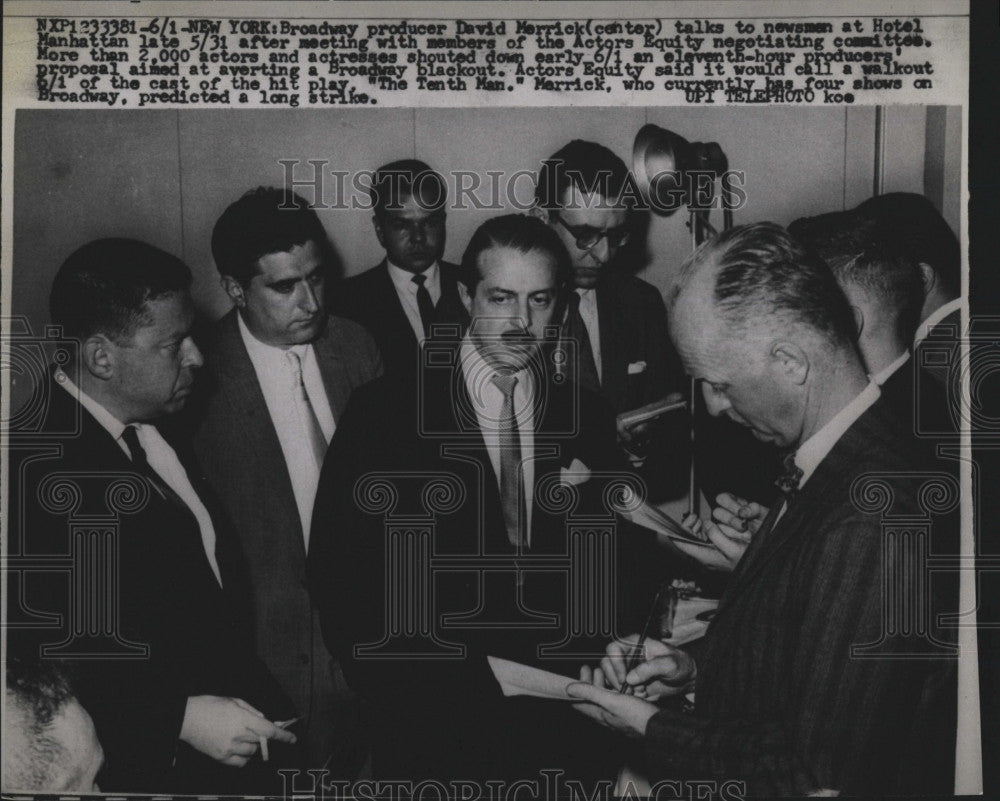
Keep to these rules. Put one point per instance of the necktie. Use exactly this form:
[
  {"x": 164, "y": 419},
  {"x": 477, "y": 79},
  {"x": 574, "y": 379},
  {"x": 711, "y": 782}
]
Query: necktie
[
  {"x": 576, "y": 330},
  {"x": 511, "y": 491},
  {"x": 424, "y": 303},
  {"x": 788, "y": 481},
  {"x": 130, "y": 436},
  {"x": 307, "y": 415}
]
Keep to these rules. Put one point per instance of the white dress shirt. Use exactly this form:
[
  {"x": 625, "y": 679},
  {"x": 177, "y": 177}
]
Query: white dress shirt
[
  {"x": 487, "y": 400},
  {"x": 889, "y": 371},
  {"x": 406, "y": 289},
  {"x": 588, "y": 312},
  {"x": 162, "y": 459},
  {"x": 277, "y": 380},
  {"x": 934, "y": 318}
]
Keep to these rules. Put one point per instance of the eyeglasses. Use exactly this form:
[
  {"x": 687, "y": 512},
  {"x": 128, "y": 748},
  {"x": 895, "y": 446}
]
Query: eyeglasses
[{"x": 587, "y": 237}]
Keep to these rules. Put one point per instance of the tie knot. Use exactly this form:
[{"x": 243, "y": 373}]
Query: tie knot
[
  {"x": 788, "y": 481},
  {"x": 505, "y": 382},
  {"x": 573, "y": 301},
  {"x": 295, "y": 362},
  {"x": 418, "y": 279}
]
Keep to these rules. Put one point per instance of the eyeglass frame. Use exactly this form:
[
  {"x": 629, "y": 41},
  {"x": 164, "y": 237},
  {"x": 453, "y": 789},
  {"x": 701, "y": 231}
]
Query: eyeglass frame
[{"x": 621, "y": 232}]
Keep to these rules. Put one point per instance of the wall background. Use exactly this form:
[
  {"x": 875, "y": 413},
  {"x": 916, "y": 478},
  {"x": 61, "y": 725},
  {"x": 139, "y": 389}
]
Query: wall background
[{"x": 166, "y": 176}]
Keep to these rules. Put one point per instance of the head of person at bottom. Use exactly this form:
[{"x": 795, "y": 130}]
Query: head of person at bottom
[
  {"x": 513, "y": 273},
  {"x": 408, "y": 201},
  {"x": 128, "y": 306},
  {"x": 274, "y": 257},
  {"x": 584, "y": 194},
  {"x": 762, "y": 325},
  {"x": 50, "y": 744}
]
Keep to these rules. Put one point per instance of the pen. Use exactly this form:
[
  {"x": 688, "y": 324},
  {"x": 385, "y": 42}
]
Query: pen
[{"x": 648, "y": 630}]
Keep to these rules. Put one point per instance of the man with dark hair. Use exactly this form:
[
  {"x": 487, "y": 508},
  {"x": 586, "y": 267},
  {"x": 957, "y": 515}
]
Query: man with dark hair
[
  {"x": 49, "y": 741},
  {"x": 800, "y": 686},
  {"x": 280, "y": 371},
  {"x": 474, "y": 461},
  {"x": 618, "y": 322},
  {"x": 920, "y": 232},
  {"x": 167, "y": 672},
  {"x": 413, "y": 288},
  {"x": 883, "y": 283}
]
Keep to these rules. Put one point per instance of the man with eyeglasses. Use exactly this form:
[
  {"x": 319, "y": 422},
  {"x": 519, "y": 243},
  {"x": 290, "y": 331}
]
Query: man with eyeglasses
[
  {"x": 413, "y": 288},
  {"x": 617, "y": 321}
]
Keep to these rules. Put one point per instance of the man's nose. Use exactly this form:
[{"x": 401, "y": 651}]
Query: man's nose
[
  {"x": 310, "y": 298},
  {"x": 715, "y": 402},
  {"x": 418, "y": 235},
  {"x": 192, "y": 355},
  {"x": 601, "y": 252}
]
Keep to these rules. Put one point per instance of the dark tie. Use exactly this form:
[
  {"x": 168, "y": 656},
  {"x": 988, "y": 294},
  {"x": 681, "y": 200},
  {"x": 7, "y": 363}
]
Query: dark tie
[
  {"x": 576, "y": 330},
  {"x": 424, "y": 303},
  {"x": 791, "y": 476},
  {"x": 130, "y": 436},
  {"x": 511, "y": 494},
  {"x": 314, "y": 432}
]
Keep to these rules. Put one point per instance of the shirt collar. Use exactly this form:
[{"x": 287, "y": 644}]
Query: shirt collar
[
  {"x": 478, "y": 375},
  {"x": 888, "y": 372},
  {"x": 262, "y": 351},
  {"x": 108, "y": 421},
  {"x": 403, "y": 279},
  {"x": 814, "y": 450},
  {"x": 934, "y": 318}
]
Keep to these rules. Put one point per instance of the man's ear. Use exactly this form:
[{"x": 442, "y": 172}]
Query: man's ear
[
  {"x": 859, "y": 321},
  {"x": 98, "y": 356},
  {"x": 379, "y": 230},
  {"x": 928, "y": 278},
  {"x": 539, "y": 213},
  {"x": 790, "y": 362},
  {"x": 463, "y": 293},
  {"x": 235, "y": 290}
]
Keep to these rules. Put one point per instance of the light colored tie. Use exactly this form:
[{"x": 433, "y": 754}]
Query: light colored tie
[
  {"x": 307, "y": 415},
  {"x": 511, "y": 491}
]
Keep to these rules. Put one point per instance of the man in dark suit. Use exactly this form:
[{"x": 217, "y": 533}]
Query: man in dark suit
[
  {"x": 887, "y": 286},
  {"x": 807, "y": 680},
  {"x": 445, "y": 532},
  {"x": 279, "y": 373},
  {"x": 618, "y": 321},
  {"x": 412, "y": 289},
  {"x": 165, "y": 663}
]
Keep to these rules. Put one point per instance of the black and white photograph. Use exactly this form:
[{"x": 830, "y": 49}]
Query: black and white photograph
[{"x": 489, "y": 451}]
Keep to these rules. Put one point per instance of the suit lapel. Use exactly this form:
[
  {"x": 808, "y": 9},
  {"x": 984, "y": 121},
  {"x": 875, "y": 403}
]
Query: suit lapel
[
  {"x": 336, "y": 381},
  {"x": 238, "y": 384},
  {"x": 396, "y": 320}
]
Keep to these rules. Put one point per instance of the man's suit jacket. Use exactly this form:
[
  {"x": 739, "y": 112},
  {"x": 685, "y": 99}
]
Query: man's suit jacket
[
  {"x": 370, "y": 299},
  {"x": 164, "y": 594},
  {"x": 638, "y": 366},
  {"x": 632, "y": 319},
  {"x": 445, "y": 717},
  {"x": 238, "y": 448},
  {"x": 920, "y": 403},
  {"x": 781, "y": 702}
]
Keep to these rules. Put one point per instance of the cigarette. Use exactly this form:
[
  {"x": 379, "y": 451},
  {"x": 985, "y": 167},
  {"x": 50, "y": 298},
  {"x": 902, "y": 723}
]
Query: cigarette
[{"x": 263, "y": 748}]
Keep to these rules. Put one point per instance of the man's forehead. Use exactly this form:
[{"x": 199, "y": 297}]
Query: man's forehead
[
  {"x": 298, "y": 261},
  {"x": 416, "y": 206},
  {"x": 575, "y": 197},
  {"x": 507, "y": 268}
]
